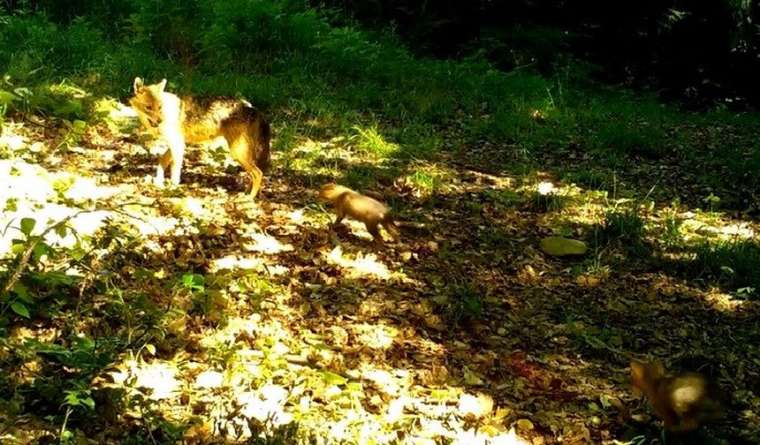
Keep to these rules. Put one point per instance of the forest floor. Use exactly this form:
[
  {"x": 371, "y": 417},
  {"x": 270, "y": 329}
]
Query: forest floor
[{"x": 196, "y": 313}]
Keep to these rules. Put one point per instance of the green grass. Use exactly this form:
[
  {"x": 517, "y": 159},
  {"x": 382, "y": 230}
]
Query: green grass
[
  {"x": 732, "y": 263},
  {"x": 623, "y": 227},
  {"x": 588, "y": 178},
  {"x": 318, "y": 80},
  {"x": 370, "y": 141},
  {"x": 358, "y": 108}
]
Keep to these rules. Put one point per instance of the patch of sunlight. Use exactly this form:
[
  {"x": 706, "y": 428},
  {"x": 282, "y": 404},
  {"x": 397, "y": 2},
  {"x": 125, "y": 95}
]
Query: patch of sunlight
[
  {"x": 426, "y": 179},
  {"x": 88, "y": 223},
  {"x": 116, "y": 110},
  {"x": 12, "y": 142},
  {"x": 83, "y": 189},
  {"x": 312, "y": 146},
  {"x": 396, "y": 408},
  {"x": 276, "y": 269},
  {"x": 433, "y": 428},
  {"x": 264, "y": 243},
  {"x": 391, "y": 383},
  {"x": 546, "y": 188},
  {"x": 84, "y": 224},
  {"x": 209, "y": 380},
  {"x": 725, "y": 302},
  {"x": 266, "y": 405},
  {"x": 477, "y": 406},
  {"x": 158, "y": 376},
  {"x": 376, "y": 336},
  {"x": 233, "y": 262},
  {"x": 369, "y": 140},
  {"x": 371, "y": 431},
  {"x": 717, "y": 229},
  {"x": 360, "y": 266},
  {"x": 297, "y": 216},
  {"x": 68, "y": 89},
  {"x": 189, "y": 206},
  {"x": 474, "y": 437},
  {"x": 156, "y": 225},
  {"x": 24, "y": 182},
  {"x": 251, "y": 327}
]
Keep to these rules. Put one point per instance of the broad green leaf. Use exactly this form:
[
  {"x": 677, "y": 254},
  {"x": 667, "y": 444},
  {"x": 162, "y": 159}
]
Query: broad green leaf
[
  {"x": 6, "y": 97},
  {"x": 333, "y": 379},
  {"x": 22, "y": 293},
  {"x": 20, "y": 309},
  {"x": 27, "y": 225},
  {"x": 77, "y": 253},
  {"x": 61, "y": 231},
  {"x": 89, "y": 402},
  {"x": 79, "y": 125},
  {"x": 355, "y": 387},
  {"x": 17, "y": 247},
  {"x": 194, "y": 281},
  {"x": 39, "y": 250}
]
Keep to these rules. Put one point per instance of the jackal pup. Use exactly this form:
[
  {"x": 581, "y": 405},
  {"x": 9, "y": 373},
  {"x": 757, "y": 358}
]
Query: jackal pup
[
  {"x": 177, "y": 121},
  {"x": 683, "y": 401},
  {"x": 371, "y": 212}
]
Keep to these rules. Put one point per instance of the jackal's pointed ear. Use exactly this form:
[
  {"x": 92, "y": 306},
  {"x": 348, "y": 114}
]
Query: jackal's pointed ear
[
  {"x": 162, "y": 85},
  {"x": 138, "y": 84}
]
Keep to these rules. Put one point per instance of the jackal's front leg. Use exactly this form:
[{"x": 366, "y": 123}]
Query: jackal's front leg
[
  {"x": 164, "y": 161},
  {"x": 177, "y": 153}
]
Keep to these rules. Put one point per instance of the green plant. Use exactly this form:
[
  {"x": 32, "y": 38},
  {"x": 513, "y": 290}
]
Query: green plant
[
  {"x": 26, "y": 266},
  {"x": 545, "y": 202},
  {"x": 671, "y": 230},
  {"x": 732, "y": 263},
  {"x": 465, "y": 303},
  {"x": 370, "y": 141},
  {"x": 593, "y": 179},
  {"x": 625, "y": 227}
]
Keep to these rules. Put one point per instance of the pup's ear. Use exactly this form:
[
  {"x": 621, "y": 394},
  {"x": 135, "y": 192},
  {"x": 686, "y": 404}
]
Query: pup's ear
[
  {"x": 138, "y": 84},
  {"x": 162, "y": 85}
]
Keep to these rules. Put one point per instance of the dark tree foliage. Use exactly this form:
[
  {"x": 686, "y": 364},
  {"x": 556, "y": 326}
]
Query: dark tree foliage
[
  {"x": 688, "y": 49},
  {"x": 691, "y": 49}
]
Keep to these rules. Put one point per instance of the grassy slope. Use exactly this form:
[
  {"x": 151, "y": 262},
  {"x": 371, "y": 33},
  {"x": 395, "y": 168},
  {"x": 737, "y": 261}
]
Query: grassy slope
[{"x": 456, "y": 147}]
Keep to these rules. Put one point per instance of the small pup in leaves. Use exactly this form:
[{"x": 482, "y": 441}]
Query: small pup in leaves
[
  {"x": 362, "y": 208},
  {"x": 683, "y": 402}
]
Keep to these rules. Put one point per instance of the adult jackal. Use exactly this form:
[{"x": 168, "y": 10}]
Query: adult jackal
[{"x": 177, "y": 121}]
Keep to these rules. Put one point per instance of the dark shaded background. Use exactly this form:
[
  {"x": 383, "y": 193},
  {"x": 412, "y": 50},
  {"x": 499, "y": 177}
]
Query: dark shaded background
[
  {"x": 695, "y": 50},
  {"x": 700, "y": 52}
]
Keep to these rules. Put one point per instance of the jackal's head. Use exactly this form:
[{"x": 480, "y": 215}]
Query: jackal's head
[{"x": 147, "y": 102}]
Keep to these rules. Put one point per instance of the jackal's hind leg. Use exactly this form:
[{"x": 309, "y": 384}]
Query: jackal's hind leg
[
  {"x": 241, "y": 150},
  {"x": 374, "y": 230}
]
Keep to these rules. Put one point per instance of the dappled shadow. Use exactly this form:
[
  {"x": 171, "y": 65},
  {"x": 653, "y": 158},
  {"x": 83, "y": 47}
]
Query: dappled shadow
[{"x": 257, "y": 310}]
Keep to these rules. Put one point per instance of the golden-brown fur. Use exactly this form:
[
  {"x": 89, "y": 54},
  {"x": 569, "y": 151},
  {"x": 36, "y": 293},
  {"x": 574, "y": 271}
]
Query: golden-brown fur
[
  {"x": 371, "y": 212},
  {"x": 177, "y": 121},
  {"x": 683, "y": 401}
]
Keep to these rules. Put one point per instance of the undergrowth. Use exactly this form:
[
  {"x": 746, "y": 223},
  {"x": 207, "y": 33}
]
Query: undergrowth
[{"x": 315, "y": 80}]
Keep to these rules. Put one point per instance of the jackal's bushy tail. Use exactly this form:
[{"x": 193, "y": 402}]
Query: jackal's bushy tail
[
  {"x": 265, "y": 138},
  {"x": 331, "y": 192},
  {"x": 262, "y": 138}
]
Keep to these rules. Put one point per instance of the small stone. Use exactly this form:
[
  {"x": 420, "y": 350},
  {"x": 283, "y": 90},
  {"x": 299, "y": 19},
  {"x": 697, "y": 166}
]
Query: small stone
[{"x": 560, "y": 246}]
